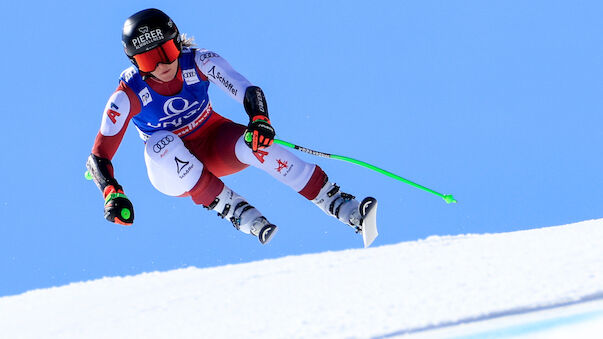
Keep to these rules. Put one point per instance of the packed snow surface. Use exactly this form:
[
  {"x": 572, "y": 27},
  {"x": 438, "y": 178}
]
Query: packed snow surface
[{"x": 442, "y": 286}]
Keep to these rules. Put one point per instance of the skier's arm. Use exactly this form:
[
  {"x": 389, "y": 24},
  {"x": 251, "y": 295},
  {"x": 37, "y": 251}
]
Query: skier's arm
[
  {"x": 260, "y": 132},
  {"x": 118, "y": 208},
  {"x": 120, "y": 108},
  {"x": 122, "y": 105},
  {"x": 219, "y": 72}
]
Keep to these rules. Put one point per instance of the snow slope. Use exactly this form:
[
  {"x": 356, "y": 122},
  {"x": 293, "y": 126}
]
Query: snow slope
[{"x": 538, "y": 283}]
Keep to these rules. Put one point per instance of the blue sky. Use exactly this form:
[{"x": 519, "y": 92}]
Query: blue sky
[{"x": 498, "y": 103}]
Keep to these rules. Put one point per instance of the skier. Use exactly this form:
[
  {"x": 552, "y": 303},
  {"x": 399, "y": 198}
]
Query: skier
[{"x": 188, "y": 145}]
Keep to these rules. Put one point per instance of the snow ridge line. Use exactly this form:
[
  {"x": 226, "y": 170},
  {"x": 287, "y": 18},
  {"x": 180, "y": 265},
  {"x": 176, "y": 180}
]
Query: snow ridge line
[{"x": 494, "y": 315}]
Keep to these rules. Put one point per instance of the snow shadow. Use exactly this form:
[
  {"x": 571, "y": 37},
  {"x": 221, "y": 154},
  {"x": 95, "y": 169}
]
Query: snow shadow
[{"x": 493, "y": 315}]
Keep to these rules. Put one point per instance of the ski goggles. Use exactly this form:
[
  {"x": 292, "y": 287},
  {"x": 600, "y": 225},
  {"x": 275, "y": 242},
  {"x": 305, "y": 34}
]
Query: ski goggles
[{"x": 165, "y": 53}]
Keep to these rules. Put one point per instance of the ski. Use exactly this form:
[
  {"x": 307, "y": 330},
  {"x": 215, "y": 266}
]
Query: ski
[{"x": 368, "y": 210}]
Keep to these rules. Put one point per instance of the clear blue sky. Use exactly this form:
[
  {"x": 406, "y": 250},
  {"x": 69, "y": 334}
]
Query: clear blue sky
[{"x": 499, "y": 103}]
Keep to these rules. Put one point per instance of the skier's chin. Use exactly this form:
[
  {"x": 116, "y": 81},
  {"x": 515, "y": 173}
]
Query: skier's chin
[{"x": 165, "y": 72}]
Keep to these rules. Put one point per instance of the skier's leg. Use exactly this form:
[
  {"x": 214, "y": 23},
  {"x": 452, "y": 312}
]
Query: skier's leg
[
  {"x": 174, "y": 171},
  {"x": 279, "y": 163},
  {"x": 343, "y": 206},
  {"x": 243, "y": 216},
  {"x": 305, "y": 178},
  {"x": 214, "y": 145}
]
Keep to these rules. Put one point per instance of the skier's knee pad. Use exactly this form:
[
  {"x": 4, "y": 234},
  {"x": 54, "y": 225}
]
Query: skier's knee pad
[{"x": 172, "y": 168}]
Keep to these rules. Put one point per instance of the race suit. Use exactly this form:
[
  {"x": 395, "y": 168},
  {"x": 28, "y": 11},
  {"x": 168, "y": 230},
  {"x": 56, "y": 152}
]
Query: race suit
[{"x": 182, "y": 107}]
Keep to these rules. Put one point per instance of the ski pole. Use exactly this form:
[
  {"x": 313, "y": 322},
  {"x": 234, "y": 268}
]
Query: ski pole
[{"x": 447, "y": 197}]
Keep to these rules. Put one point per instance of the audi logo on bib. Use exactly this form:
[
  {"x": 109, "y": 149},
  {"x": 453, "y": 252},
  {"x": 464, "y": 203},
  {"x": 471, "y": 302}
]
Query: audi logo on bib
[{"x": 161, "y": 144}]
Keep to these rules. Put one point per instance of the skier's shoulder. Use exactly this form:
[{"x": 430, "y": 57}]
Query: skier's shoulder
[
  {"x": 128, "y": 74},
  {"x": 124, "y": 93},
  {"x": 126, "y": 81},
  {"x": 206, "y": 53},
  {"x": 203, "y": 56},
  {"x": 131, "y": 82}
]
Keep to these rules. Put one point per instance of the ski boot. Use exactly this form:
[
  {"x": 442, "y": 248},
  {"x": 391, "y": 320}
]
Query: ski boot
[
  {"x": 242, "y": 215},
  {"x": 343, "y": 206}
]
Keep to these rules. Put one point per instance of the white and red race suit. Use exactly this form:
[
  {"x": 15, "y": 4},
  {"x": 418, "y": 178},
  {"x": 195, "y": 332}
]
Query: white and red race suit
[{"x": 182, "y": 107}]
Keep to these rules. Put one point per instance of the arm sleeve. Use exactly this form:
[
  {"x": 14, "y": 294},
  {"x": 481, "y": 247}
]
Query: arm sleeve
[
  {"x": 121, "y": 107},
  {"x": 219, "y": 72}
]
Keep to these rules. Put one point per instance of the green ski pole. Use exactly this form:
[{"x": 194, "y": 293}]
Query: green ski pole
[{"x": 447, "y": 197}]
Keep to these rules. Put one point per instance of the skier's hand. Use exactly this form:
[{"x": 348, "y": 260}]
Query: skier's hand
[
  {"x": 118, "y": 208},
  {"x": 259, "y": 133}
]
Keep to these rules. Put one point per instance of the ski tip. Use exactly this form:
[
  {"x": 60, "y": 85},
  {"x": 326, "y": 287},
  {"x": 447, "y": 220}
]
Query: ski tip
[
  {"x": 267, "y": 233},
  {"x": 369, "y": 222},
  {"x": 366, "y": 205}
]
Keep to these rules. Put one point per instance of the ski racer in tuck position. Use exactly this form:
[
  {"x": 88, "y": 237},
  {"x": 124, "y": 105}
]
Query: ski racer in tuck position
[{"x": 188, "y": 146}]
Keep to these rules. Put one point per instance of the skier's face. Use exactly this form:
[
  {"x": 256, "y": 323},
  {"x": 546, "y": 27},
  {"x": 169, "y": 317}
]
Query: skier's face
[{"x": 166, "y": 72}]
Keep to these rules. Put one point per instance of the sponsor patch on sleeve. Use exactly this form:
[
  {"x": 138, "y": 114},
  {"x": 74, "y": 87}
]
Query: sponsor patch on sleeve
[
  {"x": 203, "y": 56},
  {"x": 115, "y": 114}
]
